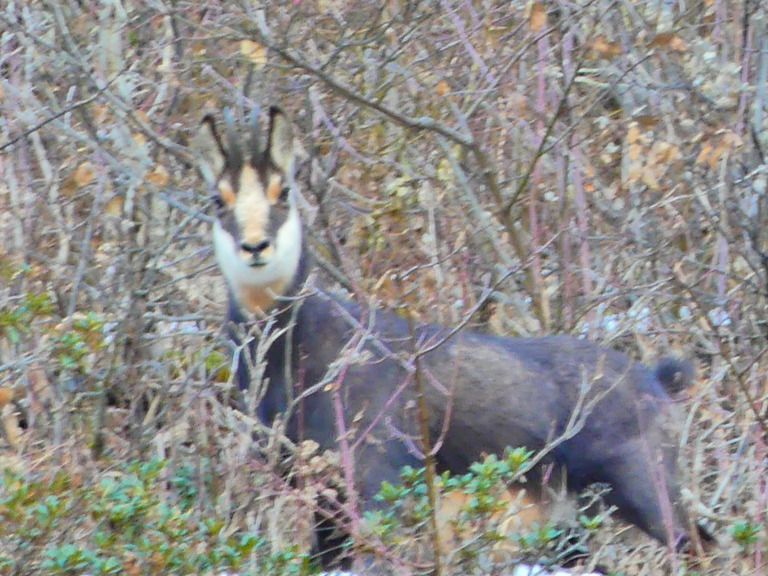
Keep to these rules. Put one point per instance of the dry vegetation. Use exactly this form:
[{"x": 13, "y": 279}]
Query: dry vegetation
[{"x": 607, "y": 153}]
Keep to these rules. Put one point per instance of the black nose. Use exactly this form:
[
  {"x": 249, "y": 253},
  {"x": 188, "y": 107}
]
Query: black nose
[{"x": 255, "y": 249}]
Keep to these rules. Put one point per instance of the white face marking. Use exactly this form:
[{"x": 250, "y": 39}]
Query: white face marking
[
  {"x": 251, "y": 206},
  {"x": 274, "y": 276}
]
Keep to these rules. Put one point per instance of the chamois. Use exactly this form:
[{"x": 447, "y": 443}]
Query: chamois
[{"x": 483, "y": 393}]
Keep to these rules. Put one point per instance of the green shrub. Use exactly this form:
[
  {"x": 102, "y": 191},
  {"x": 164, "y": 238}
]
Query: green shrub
[{"x": 134, "y": 518}]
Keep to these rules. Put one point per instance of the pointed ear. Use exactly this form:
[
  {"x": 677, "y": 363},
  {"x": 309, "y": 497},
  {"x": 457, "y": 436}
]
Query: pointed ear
[
  {"x": 280, "y": 146},
  {"x": 209, "y": 149}
]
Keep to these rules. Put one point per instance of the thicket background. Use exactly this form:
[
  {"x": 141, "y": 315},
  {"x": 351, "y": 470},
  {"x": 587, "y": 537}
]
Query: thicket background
[{"x": 609, "y": 153}]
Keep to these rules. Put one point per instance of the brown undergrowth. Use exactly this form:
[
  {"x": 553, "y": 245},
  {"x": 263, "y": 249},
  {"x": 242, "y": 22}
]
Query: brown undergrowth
[{"x": 610, "y": 152}]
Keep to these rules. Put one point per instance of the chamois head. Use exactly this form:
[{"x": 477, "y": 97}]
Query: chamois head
[{"x": 257, "y": 235}]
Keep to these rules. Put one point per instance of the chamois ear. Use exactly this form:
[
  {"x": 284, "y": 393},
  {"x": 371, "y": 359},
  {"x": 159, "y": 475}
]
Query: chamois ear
[
  {"x": 280, "y": 145},
  {"x": 209, "y": 149}
]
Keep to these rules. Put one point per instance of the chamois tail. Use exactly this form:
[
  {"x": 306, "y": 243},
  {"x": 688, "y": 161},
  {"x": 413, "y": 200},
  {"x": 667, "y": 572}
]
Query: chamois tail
[{"x": 675, "y": 375}]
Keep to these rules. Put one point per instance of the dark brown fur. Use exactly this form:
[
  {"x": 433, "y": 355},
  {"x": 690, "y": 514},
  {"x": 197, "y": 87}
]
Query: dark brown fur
[{"x": 493, "y": 392}]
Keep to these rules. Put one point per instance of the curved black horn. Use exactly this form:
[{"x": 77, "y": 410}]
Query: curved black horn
[
  {"x": 235, "y": 153},
  {"x": 255, "y": 129}
]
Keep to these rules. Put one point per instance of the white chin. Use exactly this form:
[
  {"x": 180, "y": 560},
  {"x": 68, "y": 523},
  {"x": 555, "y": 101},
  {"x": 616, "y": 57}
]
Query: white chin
[{"x": 280, "y": 269}]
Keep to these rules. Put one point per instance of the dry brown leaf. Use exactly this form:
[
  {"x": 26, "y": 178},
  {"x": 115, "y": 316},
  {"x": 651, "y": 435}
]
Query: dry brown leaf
[
  {"x": 77, "y": 178},
  {"x": 6, "y": 394},
  {"x": 198, "y": 48},
  {"x": 442, "y": 88},
  {"x": 114, "y": 207},
  {"x": 633, "y": 134},
  {"x": 707, "y": 23},
  {"x": 730, "y": 139},
  {"x": 634, "y": 172},
  {"x": 83, "y": 174},
  {"x": 537, "y": 17},
  {"x": 254, "y": 51},
  {"x": 444, "y": 172},
  {"x": 158, "y": 176},
  {"x": 604, "y": 48},
  {"x": 664, "y": 152},
  {"x": 649, "y": 178},
  {"x": 646, "y": 121},
  {"x": 461, "y": 239},
  {"x": 668, "y": 40},
  {"x": 10, "y": 423},
  {"x": 517, "y": 103},
  {"x": 521, "y": 511},
  {"x": 713, "y": 150},
  {"x": 157, "y": 562},
  {"x": 662, "y": 39},
  {"x": 39, "y": 387},
  {"x": 678, "y": 44},
  {"x": 704, "y": 154},
  {"x": 100, "y": 113},
  {"x": 131, "y": 566}
]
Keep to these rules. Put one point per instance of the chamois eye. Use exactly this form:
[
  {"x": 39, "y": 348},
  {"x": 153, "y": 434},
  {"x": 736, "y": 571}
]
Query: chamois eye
[
  {"x": 218, "y": 202},
  {"x": 284, "y": 193}
]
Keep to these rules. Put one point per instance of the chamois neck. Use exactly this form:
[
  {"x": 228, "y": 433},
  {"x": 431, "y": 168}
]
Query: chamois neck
[{"x": 262, "y": 300}]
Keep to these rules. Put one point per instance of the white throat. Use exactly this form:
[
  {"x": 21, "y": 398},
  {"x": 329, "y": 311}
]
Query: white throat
[{"x": 256, "y": 287}]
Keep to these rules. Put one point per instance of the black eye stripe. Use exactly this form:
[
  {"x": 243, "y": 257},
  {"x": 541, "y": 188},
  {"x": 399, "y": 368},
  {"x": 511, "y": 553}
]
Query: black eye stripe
[{"x": 218, "y": 201}]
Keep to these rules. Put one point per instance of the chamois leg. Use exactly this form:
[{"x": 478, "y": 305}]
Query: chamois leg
[
  {"x": 374, "y": 464},
  {"x": 330, "y": 538},
  {"x": 644, "y": 491}
]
